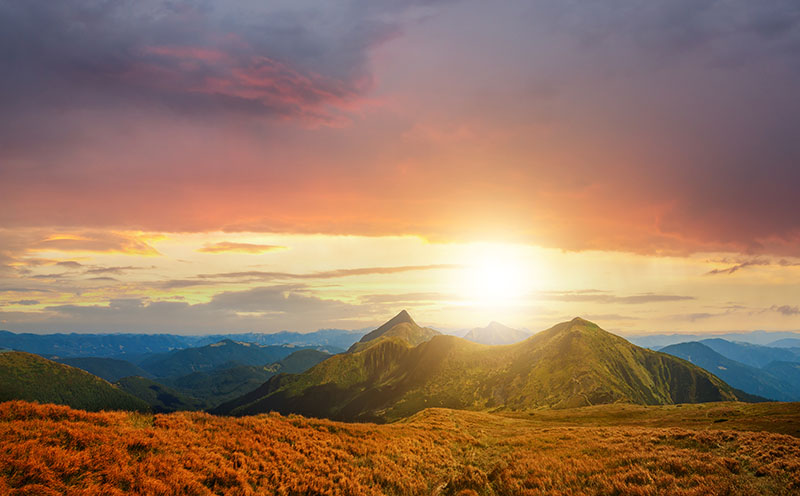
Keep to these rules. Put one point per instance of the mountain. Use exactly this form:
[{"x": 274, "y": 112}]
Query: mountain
[
  {"x": 496, "y": 333},
  {"x": 765, "y": 338},
  {"x": 204, "y": 358},
  {"x": 161, "y": 399},
  {"x": 24, "y": 376},
  {"x": 786, "y": 343},
  {"x": 132, "y": 346},
  {"x": 749, "y": 379},
  {"x": 401, "y": 326},
  {"x": 94, "y": 345},
  {"x": 750, "y": 354},
  {"x": 109, "y": 369},
  {"x": 571, "y": 364},
  {"x": 330, "y": 340},
  {"x": 787, "y": 372},
  {"x": 224, "y": 384}
]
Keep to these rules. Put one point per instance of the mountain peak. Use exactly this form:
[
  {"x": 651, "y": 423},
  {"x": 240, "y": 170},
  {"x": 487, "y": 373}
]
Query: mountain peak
[
  {"x": 401, "y": 326},
  {"x": 401, "y": 318}
]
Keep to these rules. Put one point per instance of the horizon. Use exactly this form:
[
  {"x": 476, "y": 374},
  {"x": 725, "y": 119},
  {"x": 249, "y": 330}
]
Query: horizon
[{"x": 175, "y": 167}]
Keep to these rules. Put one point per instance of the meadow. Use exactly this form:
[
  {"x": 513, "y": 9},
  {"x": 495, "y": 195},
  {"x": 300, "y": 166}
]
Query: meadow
[{"x": 49, "y": 450}]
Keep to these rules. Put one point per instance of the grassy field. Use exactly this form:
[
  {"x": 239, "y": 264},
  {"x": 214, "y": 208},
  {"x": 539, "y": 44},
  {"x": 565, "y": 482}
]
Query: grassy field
[{"x": 48, "y": 449}]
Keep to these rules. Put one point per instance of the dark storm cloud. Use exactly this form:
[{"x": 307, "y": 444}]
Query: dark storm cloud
[{"x": 189, "y": 57}]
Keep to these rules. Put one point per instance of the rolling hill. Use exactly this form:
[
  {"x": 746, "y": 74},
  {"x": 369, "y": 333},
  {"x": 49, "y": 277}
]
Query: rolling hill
[
  {"x": 496, "y": 333},
  {"x": 750, "y": 354},
  {"x": 226, "y": 383},
  {"x": 574, "y": 363},
  {"x": 24, "y": 376},
  {"x": 161, "y": 399},
  {"x": 749, "y": 379},
  {"x": 110, "y": 369},
  {"x": 226, "y": 353}
]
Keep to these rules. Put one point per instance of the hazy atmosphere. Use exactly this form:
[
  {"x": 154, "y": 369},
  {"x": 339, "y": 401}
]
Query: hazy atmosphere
[{"x": 198, "y": 167}]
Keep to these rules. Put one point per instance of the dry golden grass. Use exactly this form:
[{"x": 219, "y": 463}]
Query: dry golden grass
[{"x": 47, "y": 449}]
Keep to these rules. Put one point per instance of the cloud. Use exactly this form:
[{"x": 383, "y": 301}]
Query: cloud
[
  {"x": 112, "y": 270},
  {"x": 787, "y": 310},
  {"x": 25, "y": 302},
  {"x": 405, "y": 298},
  {"x": 113, "y": 104},
  {"x": 608, "y": 316},
  {"x": 601, "y": 297},
  {"x": 328, "y": 274},
  {"x": 94, "y": 241},
  {"x": 262, "y": 309},
  {"x": 228, "y": 246},
  {"x": 70, "y": 264},
  {"x": 194, "y": 58},
  {"x": 739, "y": 265}
]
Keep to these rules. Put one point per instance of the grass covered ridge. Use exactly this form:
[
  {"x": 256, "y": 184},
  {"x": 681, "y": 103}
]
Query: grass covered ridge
[{"x": 48, "y": 450}]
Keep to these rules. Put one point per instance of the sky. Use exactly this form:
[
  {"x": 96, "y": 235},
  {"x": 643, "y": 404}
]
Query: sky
[{"x": 198, "y": 166}]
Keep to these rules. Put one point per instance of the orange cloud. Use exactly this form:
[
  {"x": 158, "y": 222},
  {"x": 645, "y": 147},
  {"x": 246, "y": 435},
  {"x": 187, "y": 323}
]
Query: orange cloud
[
  {"x": 228, "y": 246},
  {"x": 96, "y": 242}
]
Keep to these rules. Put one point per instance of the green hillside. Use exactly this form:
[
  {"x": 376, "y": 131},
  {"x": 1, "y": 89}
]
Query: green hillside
[
  {"x": 224, "y": 384},
  {"x": 205, "y": 358},
  {"x": 161, "y": 398},
  {"x": 24, "y": 376},
  {"x": 109, "y": 369},
  {"x": 572, "y": 364}
]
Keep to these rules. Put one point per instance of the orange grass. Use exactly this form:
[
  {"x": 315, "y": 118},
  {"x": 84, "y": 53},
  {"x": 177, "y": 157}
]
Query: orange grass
[{"x": 48, "y": 449}]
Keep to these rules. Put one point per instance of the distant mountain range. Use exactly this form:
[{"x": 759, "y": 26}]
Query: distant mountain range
[
  {"x": 750, "y": 379},
  {"x": 205, "y": 358},
  {"x": 402, "y": 368},
  {"x": 392, "y": 371},
  {"x": 135, "y": 346},
  {"x": 777, "y": 339},
  {"x": 496, "y": 333}
]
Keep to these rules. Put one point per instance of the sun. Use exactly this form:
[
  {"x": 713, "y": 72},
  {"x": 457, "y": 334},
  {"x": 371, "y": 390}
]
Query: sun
[{"x": 496, "y": 275}]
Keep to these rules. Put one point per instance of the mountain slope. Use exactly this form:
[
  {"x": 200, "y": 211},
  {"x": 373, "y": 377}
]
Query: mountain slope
[
  {"x": 109, "y": 369},
  {"x": 750, "y": 354},
  {"x": 496, "y": 333},
  {"x": 401, "y": 326},
  {"x": 161, "y": 398},
  {"x": 204, "y": 358},
  {"x": 749, "y": 379},
  {"x": 224, "y": 384},
  {"x": 24, "y": 376},
  {"x": 572, "y": 364}
]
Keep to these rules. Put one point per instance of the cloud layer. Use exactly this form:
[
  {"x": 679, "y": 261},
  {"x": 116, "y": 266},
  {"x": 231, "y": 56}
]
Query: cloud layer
[{"x": 658, "y": 127}]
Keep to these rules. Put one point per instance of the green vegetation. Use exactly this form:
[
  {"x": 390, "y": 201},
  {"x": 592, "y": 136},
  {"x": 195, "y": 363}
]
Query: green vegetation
[
  {"x": 160, "y": 398},
  {"x": 224, "y": 384},
  {"x": 205, "y": 358},
  {"x": 109, "y": 369},
  {"x": 570, "y": 365},
  {"x": 24, "y": 376}
]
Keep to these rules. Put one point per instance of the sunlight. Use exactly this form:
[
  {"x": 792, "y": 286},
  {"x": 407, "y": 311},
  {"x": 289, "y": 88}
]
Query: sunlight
[{"x": 496, "y": 275}]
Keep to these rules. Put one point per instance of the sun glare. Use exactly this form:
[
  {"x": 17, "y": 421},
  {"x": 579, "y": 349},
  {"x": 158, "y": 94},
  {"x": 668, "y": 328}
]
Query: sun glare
[{"x": 496, "y": 275}]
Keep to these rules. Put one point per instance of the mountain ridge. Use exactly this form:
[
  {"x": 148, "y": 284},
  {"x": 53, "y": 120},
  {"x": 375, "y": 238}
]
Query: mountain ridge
[{"x": 574, "y": 363}]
